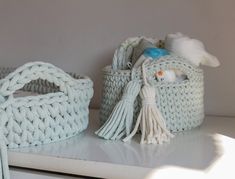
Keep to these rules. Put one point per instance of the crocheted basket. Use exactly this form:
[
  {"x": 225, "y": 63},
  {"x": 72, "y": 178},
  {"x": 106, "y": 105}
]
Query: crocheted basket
[
  {"x": 58, "y": 112},
  {"x": 181, "y": 103}
]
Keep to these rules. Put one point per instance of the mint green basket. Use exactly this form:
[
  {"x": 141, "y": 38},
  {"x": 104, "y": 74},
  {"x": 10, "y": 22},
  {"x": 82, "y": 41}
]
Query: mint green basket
[
  {"x": 58, "y": 112},
  {"x": 181, "y": 103}
]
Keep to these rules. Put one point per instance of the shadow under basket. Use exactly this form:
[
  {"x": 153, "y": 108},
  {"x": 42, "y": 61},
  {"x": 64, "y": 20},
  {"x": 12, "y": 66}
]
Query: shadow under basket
[
  {"x": 59, "y": 111},
  {"x": 181, "y": 103}
]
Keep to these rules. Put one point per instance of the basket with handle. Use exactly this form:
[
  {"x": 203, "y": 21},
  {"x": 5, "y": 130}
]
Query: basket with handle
[
  {"x": 181, "y": 103},
  {"x": 58, "y": 112}
]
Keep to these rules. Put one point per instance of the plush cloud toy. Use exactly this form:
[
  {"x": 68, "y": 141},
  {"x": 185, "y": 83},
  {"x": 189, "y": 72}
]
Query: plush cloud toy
[{"x": 191, "y": 49}]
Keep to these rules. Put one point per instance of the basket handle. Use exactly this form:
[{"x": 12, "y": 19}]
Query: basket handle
[
  {"x": 168, "y": 63},
  {"x": 33, "y": 71}
]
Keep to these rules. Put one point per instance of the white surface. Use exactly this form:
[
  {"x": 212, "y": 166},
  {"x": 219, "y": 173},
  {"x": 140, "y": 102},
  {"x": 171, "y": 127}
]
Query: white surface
[
  {"x": 81, "y": 35},
  {"x": 19, "y": 173},
  {"x": 206, "y": 151}
]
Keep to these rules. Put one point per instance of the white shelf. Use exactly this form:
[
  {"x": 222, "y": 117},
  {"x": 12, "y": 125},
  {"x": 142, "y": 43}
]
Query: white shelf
[
  {"x": 205, "y": 151},
  {"x": 21, "y": 173}
]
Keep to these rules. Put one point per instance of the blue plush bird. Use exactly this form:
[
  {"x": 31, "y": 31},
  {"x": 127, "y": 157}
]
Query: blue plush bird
[{"x": 152, "y": 53}]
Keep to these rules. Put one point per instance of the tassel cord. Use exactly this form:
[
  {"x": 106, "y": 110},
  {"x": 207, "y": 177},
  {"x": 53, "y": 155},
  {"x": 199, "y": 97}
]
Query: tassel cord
[
  {"x": 120, "y": 121},
  {"x": 151, "y": 122},
  {"x": 106, "y": 128},
  {"x": 135, "y": 128}
]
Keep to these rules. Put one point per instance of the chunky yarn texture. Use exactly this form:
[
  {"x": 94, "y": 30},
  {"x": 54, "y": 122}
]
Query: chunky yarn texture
[
  {"x": 58, "y": 112},
  {"x": 180, "y": 103}
]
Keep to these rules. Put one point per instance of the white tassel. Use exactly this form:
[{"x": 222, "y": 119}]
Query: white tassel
[{"x": 151, "y": 122}]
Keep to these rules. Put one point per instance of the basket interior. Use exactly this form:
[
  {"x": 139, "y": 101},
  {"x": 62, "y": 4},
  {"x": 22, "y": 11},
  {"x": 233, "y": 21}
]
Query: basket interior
[{"x": 36, "y": 87}]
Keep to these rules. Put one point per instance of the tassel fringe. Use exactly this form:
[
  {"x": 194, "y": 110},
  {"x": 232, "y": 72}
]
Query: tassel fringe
[
  {"x": 119, "y": 123},
  {"x": 151, "y": 122}
]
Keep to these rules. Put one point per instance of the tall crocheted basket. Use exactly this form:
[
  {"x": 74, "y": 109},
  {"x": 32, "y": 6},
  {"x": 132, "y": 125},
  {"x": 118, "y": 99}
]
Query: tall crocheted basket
[
  {"x": 59, "y": 111},
  {"x": 181, "y": 103}
]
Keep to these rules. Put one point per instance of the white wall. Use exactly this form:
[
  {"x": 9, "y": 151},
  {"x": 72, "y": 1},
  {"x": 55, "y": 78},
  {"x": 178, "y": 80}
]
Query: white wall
[{"x": 81, "y": 35}]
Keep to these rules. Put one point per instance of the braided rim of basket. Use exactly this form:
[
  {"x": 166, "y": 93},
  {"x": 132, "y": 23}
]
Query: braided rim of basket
[{"x": 42, "y": 78}]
